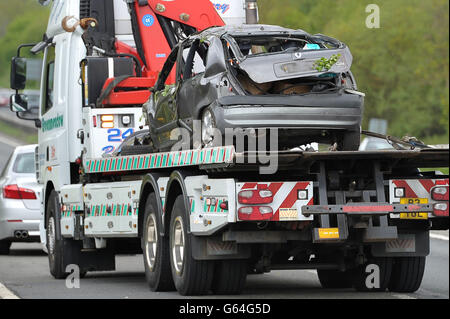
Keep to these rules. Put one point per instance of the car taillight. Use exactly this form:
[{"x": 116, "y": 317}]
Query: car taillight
[
  {"x": 259, "y": 196},
  {"x": 440, "y": 193},
  {"x": 440, "y": 209},
  {"x": 255, "y": 213},
  {"x": 16, "y": 192}
]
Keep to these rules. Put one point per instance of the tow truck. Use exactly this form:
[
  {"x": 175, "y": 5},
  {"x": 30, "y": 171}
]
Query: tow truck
[{"x": 205, "y": 218}]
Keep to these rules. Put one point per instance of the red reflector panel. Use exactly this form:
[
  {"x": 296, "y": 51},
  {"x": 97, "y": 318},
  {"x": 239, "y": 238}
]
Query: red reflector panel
[
  {"x": 255, "y": 213},
  {"x": 15, "y": 192}
]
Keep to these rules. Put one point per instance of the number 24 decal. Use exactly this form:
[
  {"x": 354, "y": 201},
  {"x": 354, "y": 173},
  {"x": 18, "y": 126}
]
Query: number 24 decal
[{"x": 116, "y": 135}]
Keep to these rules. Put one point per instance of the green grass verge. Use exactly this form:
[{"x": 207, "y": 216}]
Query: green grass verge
[{"x": 17, "y": 133}]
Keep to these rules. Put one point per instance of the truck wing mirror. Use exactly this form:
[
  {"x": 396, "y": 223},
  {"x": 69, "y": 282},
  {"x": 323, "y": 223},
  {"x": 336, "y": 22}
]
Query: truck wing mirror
[
  {"x": 25, "y": 106},
  {"x": 18, "y": 73},
  {"x": 18, "y": 103}
]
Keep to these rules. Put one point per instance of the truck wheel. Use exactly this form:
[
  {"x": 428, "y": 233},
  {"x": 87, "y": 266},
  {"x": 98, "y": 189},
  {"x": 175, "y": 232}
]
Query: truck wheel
[
  {"x": 60, "y": 248},
  {"x": 334, "y": 279},
  {"x": 155, "y": 249},
  {"x": 4, "y": 247},
  {"x": 191, "y": 277},
  {"x": 54, "y": 245},
  {"x": 407, "y": 274},
  {"x": 364, "y": 275},
  {"x": 229, "y": 277},
  {"x": 350, "y": 141}
]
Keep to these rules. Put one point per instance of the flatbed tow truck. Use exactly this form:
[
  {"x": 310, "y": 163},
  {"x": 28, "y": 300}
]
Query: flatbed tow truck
[{"x": 206, "y": 218}]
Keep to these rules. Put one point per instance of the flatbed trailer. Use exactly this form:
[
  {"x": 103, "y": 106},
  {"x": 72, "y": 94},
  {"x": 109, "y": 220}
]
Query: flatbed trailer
[{"x": 331, "y": 211}]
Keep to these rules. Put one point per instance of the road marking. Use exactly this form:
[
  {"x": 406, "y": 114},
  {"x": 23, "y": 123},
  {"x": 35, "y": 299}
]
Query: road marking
[
  {"x": 5, "y": 293},
  {"x": 403, "y": 296},
  {"x": 441, "y": 237}
]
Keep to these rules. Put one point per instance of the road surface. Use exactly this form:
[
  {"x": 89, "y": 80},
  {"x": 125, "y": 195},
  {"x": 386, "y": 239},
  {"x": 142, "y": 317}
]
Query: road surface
[{"x": 24, "y": 274}]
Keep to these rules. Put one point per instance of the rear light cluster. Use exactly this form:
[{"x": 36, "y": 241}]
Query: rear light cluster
[
  {"x": 107, "y": 121},
  {"x": 258, "y": 198},
  {"x": 16, "y": 192},
  {"x": 440, "y": 194}
]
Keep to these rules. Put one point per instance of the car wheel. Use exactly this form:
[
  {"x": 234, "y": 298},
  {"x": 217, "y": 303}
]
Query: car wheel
[
  {"x": 5, "y": 246},
  {"x": 155, "y": 250},
  {"x": 136, "y": 150},
  {"x": 191, "y": 277},
  {"x": 208, "y": 129},
  {"x": 350, "y": 141},
  {"x": 407, "y": 274}
]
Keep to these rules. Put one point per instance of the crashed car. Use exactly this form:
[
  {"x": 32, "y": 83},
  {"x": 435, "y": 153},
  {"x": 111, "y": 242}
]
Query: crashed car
[{"x": 258, "y": 77}]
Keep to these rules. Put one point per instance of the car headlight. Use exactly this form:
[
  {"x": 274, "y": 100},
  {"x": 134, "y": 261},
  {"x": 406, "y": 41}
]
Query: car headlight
[{"x": 208, "y": 126}]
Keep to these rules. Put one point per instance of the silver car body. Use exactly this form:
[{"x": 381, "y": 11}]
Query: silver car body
[{"x": 19, "y": 218}]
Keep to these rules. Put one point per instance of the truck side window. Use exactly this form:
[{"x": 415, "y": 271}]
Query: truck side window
[{"x": 49, "y": 81}]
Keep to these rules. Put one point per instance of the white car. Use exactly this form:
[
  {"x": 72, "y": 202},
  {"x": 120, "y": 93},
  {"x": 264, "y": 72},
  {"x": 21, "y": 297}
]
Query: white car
[
  {"x": 375, "y": 144},
  {"x": 19, "y": 199}
]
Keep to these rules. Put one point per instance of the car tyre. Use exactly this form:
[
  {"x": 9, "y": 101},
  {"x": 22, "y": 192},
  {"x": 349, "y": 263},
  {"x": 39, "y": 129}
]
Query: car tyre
[
  {"x": 5, "y": 246},
  {"x": 350, "y": 141},
  {"x": 156, "y": 249},
  {"x": 190, "y": 276},
  {"x": 136, "y": 150}
]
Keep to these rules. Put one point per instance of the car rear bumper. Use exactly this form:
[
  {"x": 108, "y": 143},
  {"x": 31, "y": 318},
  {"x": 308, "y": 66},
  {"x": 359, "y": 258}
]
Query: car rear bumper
[
  {"x": 9, "y": 229},
  {"x": 317, "y": 112},
  {"x": 14, "y": 216}
]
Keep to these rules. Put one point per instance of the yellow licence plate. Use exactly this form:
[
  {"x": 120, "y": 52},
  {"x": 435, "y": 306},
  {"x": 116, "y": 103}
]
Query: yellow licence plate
[{"x": 413, "y": 215}]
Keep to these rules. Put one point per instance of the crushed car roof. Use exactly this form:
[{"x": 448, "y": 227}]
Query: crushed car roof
[{"x": 283, "y": 65}]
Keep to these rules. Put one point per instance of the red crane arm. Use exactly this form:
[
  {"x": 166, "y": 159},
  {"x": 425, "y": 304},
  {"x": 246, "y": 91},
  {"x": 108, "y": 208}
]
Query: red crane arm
[{"x": 154, "y": 34}]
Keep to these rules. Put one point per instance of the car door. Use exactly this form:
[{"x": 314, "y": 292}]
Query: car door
[{"x": 164, "y": 103}]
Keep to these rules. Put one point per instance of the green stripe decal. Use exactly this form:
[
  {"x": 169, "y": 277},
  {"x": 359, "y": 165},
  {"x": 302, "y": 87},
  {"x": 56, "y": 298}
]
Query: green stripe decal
[{"x": 161, "y": 160}]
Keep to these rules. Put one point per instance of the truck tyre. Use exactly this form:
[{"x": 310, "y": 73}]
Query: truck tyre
[
  {"x": 5, "y": 246},
  {"x": 155, "y": 249},
  {"x": 54, "y": 245},
  {"x": 60, "y": 249},
  {"x": 334, "y": 279},
  {"x": 229, "y": 277},
  {"x": 191, "y": 277},
  {"x": 364, "y": 274},
  {"x": 407, "y": 274}
]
